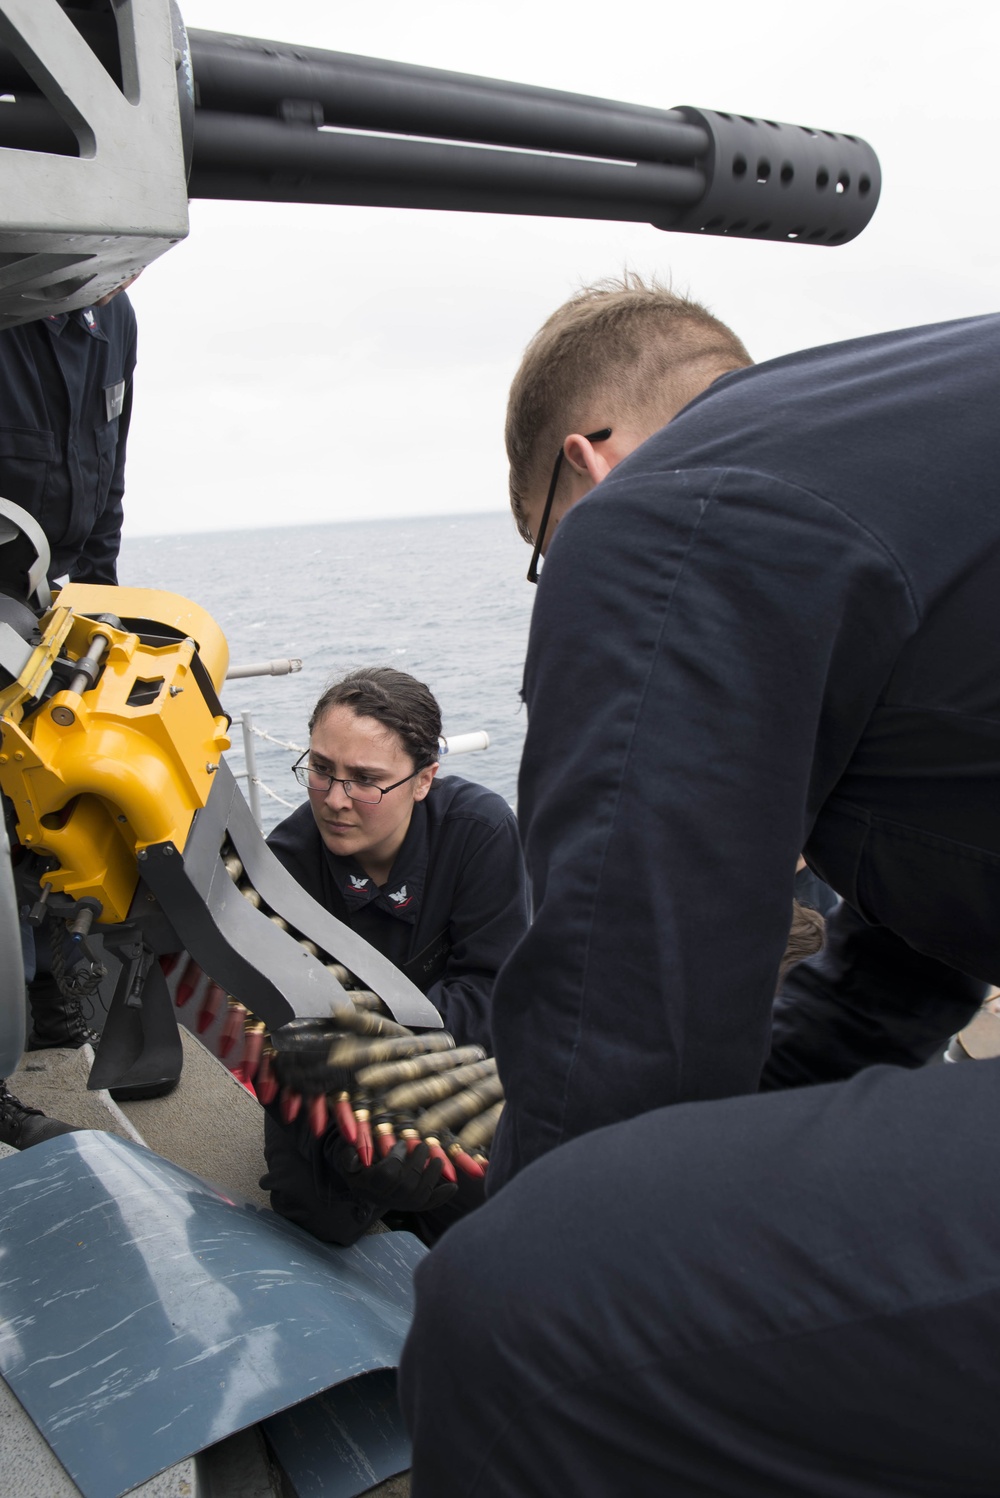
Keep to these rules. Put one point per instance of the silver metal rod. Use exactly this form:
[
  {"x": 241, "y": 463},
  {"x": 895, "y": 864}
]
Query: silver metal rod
[
  {"x": 88, "y": 663},
  {"x": 250, "y": 753},
  {"x": 265, "y": 668}
]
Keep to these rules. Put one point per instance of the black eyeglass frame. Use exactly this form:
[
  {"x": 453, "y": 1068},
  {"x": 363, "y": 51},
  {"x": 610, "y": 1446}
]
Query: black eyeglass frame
[
  {"x": 303, "y": 771},
  {"x": 543, "y": 524}
]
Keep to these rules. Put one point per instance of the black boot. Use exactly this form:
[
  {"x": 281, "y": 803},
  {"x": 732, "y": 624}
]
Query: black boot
[
  {"x": 55, "y": 1019},
  {"x": 21, "y": 1127}
]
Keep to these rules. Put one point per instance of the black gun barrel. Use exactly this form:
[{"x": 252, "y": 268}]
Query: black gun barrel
[
  {"x": 241, "y": 75},
  {"x": 314, "y": 166},
  {"x": 277, "y": 122}
]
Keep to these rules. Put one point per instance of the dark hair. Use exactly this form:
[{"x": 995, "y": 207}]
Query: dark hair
[{"x": 398, "y": 701}]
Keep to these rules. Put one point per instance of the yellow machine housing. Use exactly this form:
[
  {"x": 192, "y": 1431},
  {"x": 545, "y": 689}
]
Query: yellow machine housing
[{"x": 97, "y": 775}]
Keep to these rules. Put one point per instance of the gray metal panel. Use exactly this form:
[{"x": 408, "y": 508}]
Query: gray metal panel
[
  {"x": 265, "y": 967},
  {"x": 146, "y": 1316},
  {"x": 15, "y": 520},
  {"x": 82, "y": 224},
  {"x": 342, "y": 1442}
]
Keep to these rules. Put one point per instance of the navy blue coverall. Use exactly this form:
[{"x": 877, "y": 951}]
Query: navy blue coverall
[
  {"x": 774, "y": 627},
  {"x": 65, "y": 404},
  {"x": 453, "y": 908}
]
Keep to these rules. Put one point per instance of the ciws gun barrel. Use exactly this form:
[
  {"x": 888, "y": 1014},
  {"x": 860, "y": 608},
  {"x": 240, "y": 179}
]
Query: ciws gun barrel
[
  {"x": 260, "y": 120},
  {"x": 281, "y": 122}
]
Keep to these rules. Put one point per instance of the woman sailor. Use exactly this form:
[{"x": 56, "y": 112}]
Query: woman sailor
[{"x": 429, "y": 871}]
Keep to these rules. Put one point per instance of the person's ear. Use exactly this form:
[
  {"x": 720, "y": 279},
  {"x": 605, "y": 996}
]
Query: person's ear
[
  {"x": 422, "y": 784},
  {"x": 585, "y": 458}
]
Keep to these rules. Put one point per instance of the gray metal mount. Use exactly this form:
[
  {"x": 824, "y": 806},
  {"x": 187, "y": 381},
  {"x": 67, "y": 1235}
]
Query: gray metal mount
[{"x": 75, "y": 226}]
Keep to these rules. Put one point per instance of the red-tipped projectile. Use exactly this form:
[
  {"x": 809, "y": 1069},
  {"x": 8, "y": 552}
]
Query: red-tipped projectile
[
  {"x": 465, "y": 1162},
  {"x": 437, "y": 1153},
  {"x": 189, "y": 980},
  {"x": 363, "y": 1143},
  {"x": 232, "y": 1029},
  {"x": 266, "y": 1082},
  {"x": 344, "y": 1115},
  {"x": 319, "y": 1116},
  {"x": 213, "y": 1001}
]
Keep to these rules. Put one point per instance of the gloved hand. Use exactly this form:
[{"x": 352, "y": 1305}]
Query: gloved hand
[
  {"x": 301, "y": 1049},
  {"x": 401, "y": 1182}
]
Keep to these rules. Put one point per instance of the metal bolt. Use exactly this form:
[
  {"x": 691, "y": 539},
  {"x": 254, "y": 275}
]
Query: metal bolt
[
  {"x": 176, "y": 691},
  {"x": 64, "y": 716},
  {"x": 210, "y": 768}
]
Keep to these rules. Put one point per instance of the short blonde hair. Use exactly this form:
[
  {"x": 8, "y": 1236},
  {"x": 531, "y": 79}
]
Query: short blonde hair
[{"x": 624, "y": 344}]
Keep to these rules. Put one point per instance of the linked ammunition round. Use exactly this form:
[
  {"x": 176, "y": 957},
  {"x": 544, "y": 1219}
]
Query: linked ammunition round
[
  {"x": 363, "y": 998},
  {"x": 478, "y": 1133},
  {"x": 349, "y": 1051},
  {"x": 394, "y": 1073},
  {"x": 435, "y": 1089},
  {"x": 466, "y": 1106}
]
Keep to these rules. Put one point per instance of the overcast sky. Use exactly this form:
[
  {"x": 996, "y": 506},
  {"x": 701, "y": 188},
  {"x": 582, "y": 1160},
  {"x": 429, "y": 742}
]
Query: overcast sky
[{"x": 302, "y": 364}]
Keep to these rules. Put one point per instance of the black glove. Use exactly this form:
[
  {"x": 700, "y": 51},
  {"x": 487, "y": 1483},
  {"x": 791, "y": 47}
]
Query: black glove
[
  {"x": 401, "y": 1182},
  {"x": 301, "y": 1051}
]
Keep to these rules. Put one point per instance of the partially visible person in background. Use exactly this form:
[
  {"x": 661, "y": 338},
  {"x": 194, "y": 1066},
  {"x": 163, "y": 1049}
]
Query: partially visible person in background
[
  {"x": 65, "y": 404},
  {"x": 429, "y": 871}
]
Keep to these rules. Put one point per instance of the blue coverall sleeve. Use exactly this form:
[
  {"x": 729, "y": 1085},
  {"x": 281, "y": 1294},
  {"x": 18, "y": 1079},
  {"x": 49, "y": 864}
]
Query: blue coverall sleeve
[
  {"x": 706, "y": 649},
  {"x": 488, "y": 918},
  {"x": 98, "y": 562},
  {"x": 866, "y": 998}
]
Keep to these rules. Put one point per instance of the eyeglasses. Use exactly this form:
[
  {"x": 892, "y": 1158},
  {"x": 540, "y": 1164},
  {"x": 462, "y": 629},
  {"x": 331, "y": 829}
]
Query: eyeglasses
[
  {"x": 358, "y": 790},
  {"x": 536, "y": 555}
]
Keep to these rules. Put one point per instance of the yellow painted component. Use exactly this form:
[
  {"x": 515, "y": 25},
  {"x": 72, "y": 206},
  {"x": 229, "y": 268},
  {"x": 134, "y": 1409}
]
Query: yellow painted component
[
  {"x": 35, "y": 674},
  {"x": 97, "y": 857},
  {"x": 95, "y": 777},
  {"x": 177, "y": 613}
]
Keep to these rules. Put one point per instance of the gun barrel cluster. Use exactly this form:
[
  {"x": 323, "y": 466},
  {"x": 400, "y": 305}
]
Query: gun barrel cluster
[{"x": 277, "y": 122}]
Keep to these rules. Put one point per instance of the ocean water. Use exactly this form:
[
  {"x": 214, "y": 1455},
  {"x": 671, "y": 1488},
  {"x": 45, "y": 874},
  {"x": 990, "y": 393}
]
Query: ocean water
[{"x": 444, "y": 598}]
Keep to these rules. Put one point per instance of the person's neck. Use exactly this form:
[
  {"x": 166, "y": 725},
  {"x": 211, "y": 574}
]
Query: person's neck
[
  {"x": 377, "y": 862},
  {"x": 379, "y": 870}
]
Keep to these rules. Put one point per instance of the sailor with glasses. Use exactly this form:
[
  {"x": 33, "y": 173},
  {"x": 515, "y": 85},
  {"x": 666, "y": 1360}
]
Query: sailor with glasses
[{"x": 768, "y": 624}]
